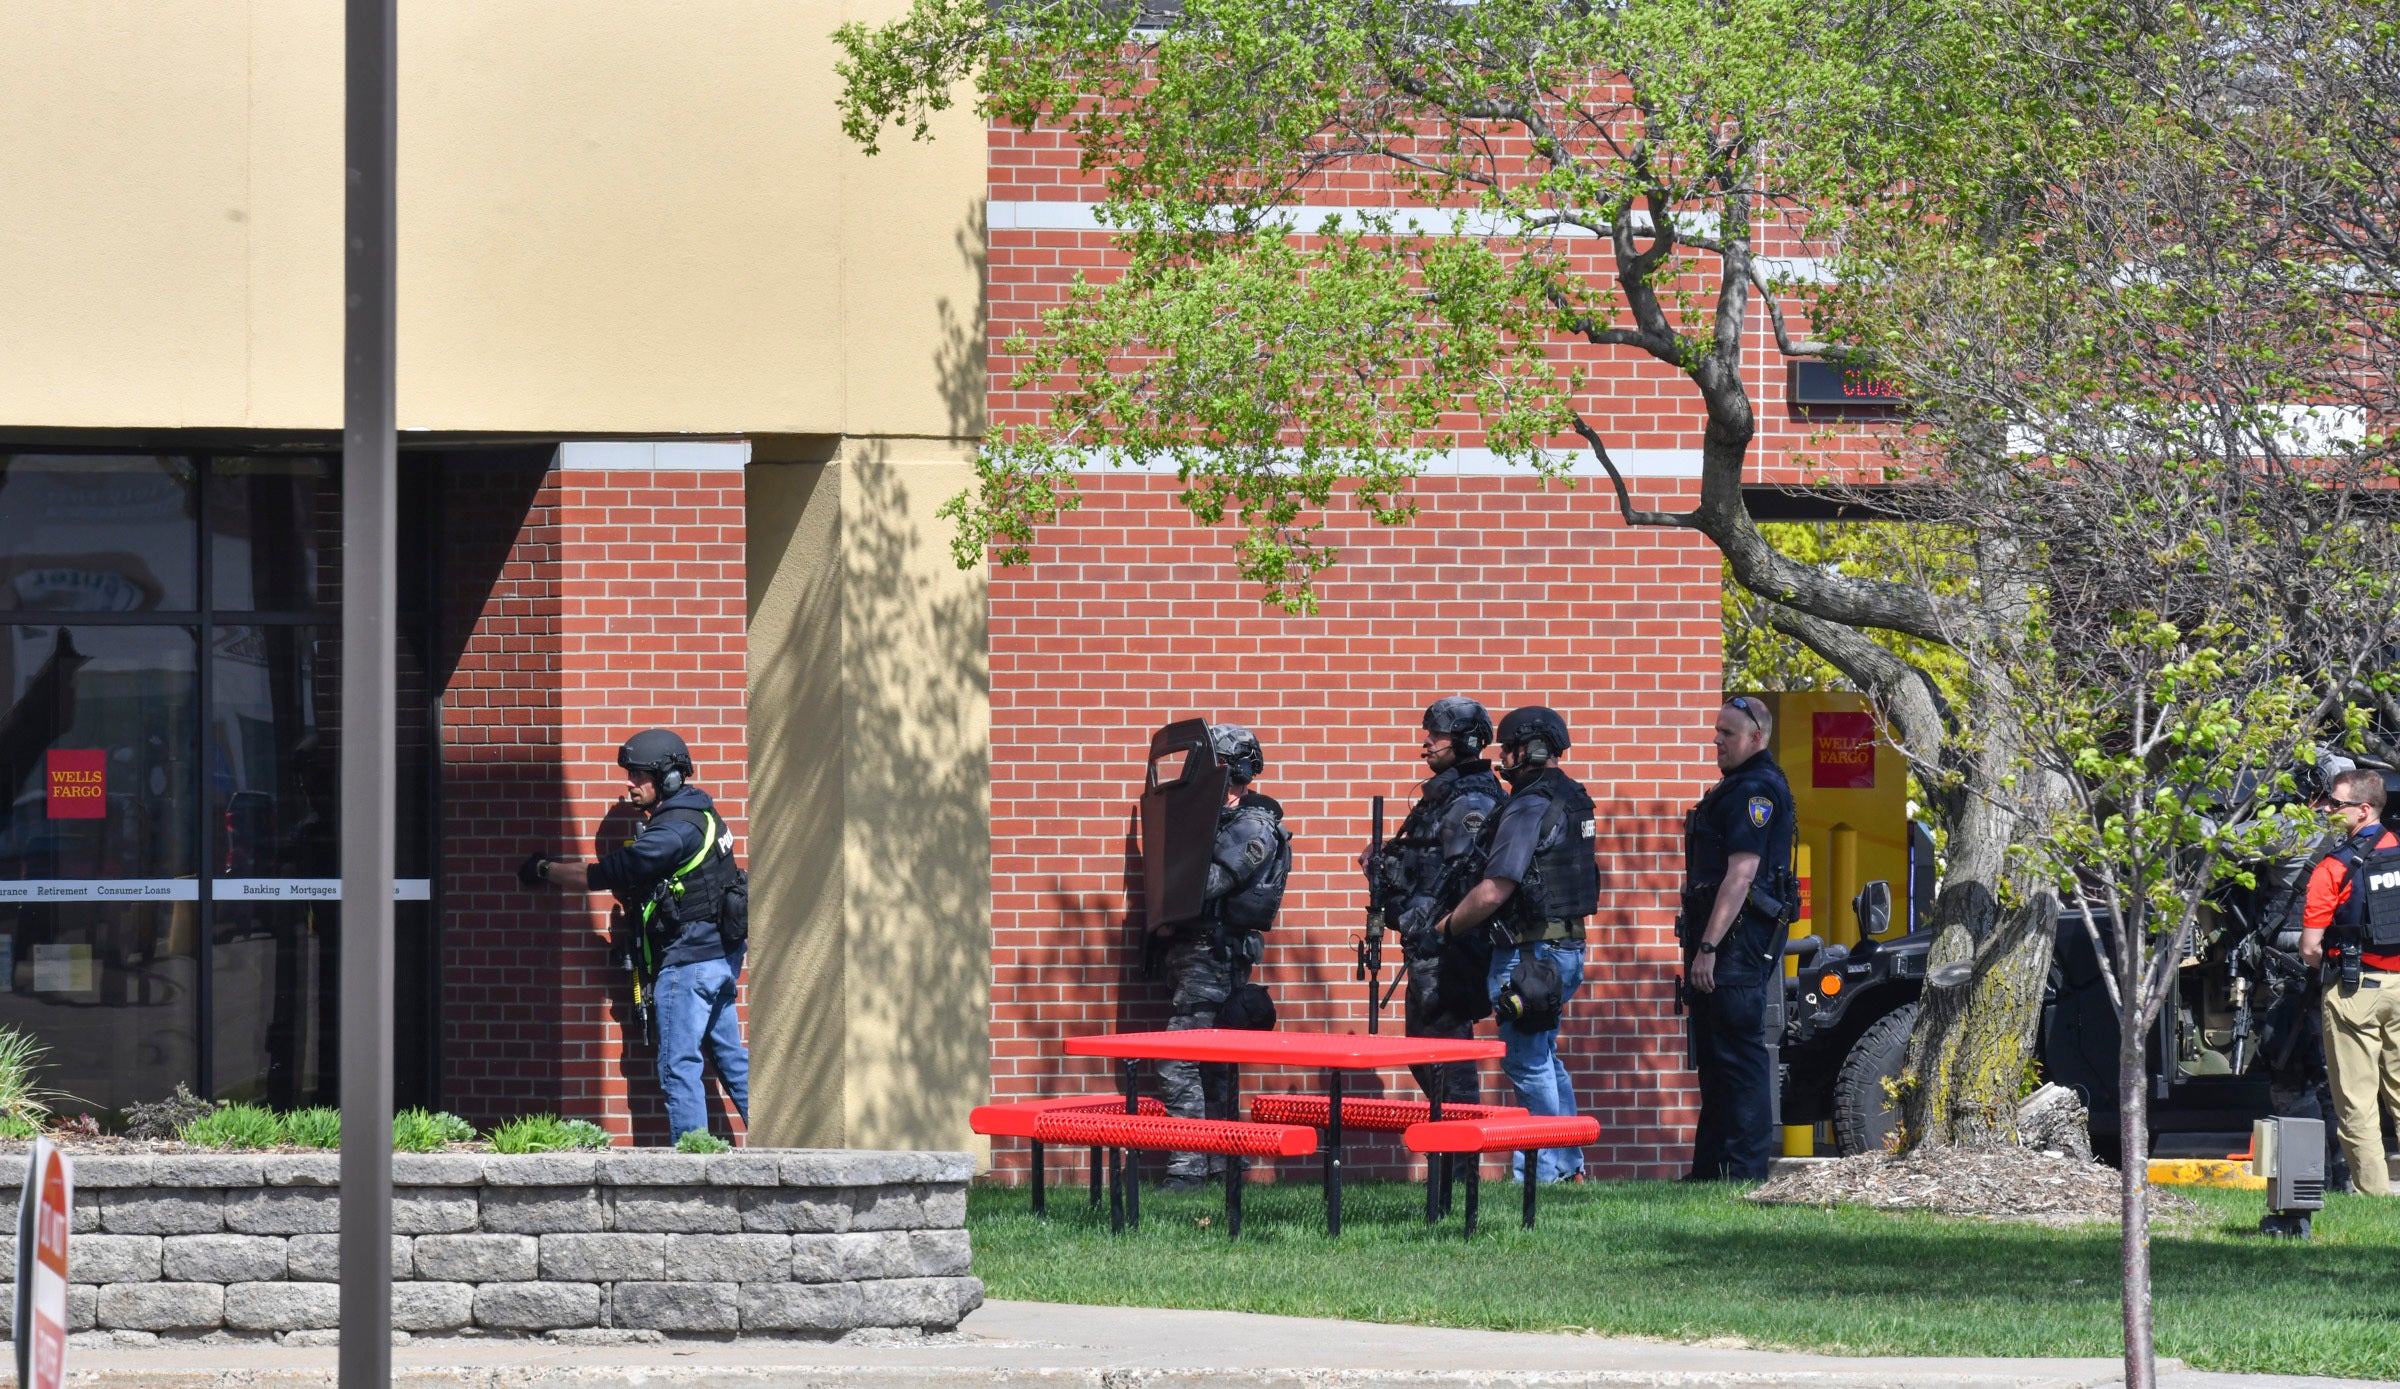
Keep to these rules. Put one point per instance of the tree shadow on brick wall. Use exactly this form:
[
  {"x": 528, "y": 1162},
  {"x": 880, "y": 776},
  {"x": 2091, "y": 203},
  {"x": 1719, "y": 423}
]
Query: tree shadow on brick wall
[{"x": 919, "y": 959}]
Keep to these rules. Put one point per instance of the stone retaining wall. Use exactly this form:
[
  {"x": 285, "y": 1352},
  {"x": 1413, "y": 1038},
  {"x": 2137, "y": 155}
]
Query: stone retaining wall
[{"x": 783, "y": 1242}]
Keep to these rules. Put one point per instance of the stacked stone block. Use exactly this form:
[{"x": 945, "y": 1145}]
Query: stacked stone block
[{"x": 768, "y": 1242}]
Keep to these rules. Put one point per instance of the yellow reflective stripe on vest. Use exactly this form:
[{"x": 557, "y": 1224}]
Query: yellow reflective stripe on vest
[{"x": 674, "y": 883}]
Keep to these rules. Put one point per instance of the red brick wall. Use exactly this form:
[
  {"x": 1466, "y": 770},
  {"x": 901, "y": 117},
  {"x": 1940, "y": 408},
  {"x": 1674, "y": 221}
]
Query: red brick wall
[
  {"x": 580, "y": 606},
  {"x": 1131, "y": 615}
]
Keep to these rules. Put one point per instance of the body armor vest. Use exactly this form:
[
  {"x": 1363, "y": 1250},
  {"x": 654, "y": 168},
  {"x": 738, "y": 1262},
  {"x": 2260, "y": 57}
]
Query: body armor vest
[
  {"x": 695, "y": 891},
  {"x": 2372, "y": 915},
  {"x": 1415, "y": 862},
  {"x": 1564, "y": 882}
]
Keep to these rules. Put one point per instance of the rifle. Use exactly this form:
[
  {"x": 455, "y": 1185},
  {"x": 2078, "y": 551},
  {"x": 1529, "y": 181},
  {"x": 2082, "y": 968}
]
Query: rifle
[
  {"x": 1370, "y": 943},
  {"x": 635, "y": 958},
  {"x": 1685, "y": 938}
]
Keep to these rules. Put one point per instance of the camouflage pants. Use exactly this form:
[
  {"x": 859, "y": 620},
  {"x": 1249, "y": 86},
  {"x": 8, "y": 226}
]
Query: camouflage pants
[{"x": 1200, "y": 972}]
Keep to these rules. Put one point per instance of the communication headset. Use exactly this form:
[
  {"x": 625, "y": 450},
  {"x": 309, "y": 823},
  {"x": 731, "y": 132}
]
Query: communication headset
[{"x": 670, "y": 781}]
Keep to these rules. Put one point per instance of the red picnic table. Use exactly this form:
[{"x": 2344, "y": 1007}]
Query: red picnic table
[{"x": 1332, "y": 1052}]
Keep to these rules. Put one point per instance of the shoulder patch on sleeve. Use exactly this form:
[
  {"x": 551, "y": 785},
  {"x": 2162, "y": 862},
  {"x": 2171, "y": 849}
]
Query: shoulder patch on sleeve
[{"x": 1761, "y": 811}]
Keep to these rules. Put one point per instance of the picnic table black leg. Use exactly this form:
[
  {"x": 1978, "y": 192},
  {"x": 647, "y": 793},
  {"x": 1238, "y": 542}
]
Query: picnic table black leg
[
  {"x": 1474, "y": 1189},
  {"x": 1096, "y": 1178},
  {"x": 1533, "y": 1181},
  {"x": 1038, "y": 1209},
  {"x": 1333, "y": 1153},
  {"x": 1233, "y": 1197},
  {"x": 1433, "y": 1161}
]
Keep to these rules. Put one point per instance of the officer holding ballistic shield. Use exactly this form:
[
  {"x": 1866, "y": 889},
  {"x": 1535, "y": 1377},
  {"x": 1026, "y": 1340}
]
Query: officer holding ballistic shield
[
  {"x": 1738, "y": 898},
  {"x": 1209, "y": 958}
]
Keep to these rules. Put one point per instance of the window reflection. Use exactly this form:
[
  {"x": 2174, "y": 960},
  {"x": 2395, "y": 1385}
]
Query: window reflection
[
  {"x": 108, "y": 987},
  {"x": 97, "y": 534},
  {"x": 275, "y": 968},
  {"x": 272, "y": 748},
  {"x": 123, "y": 701},
  {"x": 274, "y": 533}
]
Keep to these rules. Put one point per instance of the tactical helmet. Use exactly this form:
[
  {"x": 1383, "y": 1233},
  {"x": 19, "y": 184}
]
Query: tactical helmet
[
  {"x": 1462, "y": 721},
  {"x": 1237, "y": 747},
  {"x": 1535, "y": 721},
  {"x": 659, "y": 751}
]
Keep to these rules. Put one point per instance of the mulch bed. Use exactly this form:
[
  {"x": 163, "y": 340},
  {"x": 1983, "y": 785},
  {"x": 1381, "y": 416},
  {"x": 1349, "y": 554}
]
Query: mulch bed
[{"x": 1996, "y": 1183}]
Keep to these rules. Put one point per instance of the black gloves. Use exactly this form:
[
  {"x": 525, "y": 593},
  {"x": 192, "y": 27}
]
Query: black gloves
[{"x": 529, "y": 872}]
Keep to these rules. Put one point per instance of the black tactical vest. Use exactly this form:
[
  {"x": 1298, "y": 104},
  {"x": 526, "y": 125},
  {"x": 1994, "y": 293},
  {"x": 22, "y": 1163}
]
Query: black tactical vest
[
  {"x": 1563, "y": 883},
  {"x": 1415, "y": 865},
  {"x": 2372, "y": 915},
  {"x": 695, "y": 891}
]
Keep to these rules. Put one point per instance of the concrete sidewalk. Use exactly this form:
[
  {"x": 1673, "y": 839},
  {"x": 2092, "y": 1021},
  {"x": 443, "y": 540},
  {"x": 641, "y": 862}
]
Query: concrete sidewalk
[{"x": 1031, "y": 1345}]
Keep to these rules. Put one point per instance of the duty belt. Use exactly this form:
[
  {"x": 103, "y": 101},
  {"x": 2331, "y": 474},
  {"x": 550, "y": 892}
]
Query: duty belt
[{"x": 1569, "y": 929}]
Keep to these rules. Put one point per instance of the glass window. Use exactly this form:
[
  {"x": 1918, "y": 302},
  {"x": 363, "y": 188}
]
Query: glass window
[
  {"x": 97, "y": 534},
  {"x": 273, "y": 752},
  {"x": 110, "y": 989},
  {"x": 275, "y": 971},
  {"x": 274, "y": 534},
  {"x": 97, "y": 753}
]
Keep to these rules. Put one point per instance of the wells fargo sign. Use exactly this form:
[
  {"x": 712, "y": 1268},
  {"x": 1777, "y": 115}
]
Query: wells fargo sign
[
  {"x": 1842, "y": 751},
  {"x": 78, "y": 783}
]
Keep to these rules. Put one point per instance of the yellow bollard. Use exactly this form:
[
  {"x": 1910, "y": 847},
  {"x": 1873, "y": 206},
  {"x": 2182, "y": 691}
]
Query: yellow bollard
[
  {"x": 1801, "y": 924},
  {"x": 1799, "y": 1140},
  {"x": 1843, "y": 887}
]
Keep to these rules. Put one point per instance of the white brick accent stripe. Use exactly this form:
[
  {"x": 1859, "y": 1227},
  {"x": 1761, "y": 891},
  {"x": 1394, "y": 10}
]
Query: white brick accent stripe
[{"x": 654, "y": 456}]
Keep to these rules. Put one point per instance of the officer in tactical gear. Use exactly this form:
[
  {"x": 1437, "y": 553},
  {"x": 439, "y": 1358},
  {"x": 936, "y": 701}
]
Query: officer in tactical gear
[
  {"x": 692, "y": 902},
  {"x": 1738, "y": 895},
  {"x": 1414, "y": 880},
  {"x": 1206, "y": 959},
  {"x": 1537, "y": 883},
  {"x": 2352, "y": 929}
]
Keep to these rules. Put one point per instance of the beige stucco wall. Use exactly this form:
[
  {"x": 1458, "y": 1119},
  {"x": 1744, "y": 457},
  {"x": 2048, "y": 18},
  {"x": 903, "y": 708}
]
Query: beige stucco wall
[
  {"x": 870, "y": 800},
  {"x": 615, "y": 217}
]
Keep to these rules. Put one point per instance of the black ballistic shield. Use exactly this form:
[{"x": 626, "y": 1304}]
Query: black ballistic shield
[{"x": 1181, "y": 794}]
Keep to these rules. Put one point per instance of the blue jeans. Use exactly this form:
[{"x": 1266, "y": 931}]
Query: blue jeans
[
  {"x": 1531, "y": 1060},
  {"x": 695, "y": 1010}
]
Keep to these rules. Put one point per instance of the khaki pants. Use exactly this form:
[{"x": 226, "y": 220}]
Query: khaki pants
[{"x": 2362, "y": 1055}]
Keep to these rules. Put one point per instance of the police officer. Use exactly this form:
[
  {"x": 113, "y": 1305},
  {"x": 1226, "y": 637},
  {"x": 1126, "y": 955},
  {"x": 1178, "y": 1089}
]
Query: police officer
[
  {"x": 1737, "y": 895},
  {"x": 679, "y": 875},
  {"x": 2352, "y": 928},
  {"x": 1412, "y": 881},
  {"x": 1537, "y": 886},
  {"x": 1208, "y": 958}
]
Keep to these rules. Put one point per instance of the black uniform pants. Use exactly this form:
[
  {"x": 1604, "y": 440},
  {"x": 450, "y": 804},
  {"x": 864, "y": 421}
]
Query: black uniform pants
[{"x": 1735, "y": 1140}]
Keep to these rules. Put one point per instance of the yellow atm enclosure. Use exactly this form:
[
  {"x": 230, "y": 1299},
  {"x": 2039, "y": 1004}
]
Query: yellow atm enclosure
[{"x": 1851, "y": 788}]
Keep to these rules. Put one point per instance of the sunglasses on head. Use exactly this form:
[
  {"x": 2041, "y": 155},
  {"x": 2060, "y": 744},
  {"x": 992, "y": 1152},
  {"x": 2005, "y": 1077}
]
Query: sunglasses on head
[{"x": 1750, "y": 711}]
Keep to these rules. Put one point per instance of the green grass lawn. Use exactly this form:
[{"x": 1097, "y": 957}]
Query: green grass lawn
[{"x": 1689, "y": 1263}]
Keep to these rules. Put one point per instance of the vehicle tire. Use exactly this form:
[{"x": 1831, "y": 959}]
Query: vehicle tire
[{"x": 1863, "y": 1114}]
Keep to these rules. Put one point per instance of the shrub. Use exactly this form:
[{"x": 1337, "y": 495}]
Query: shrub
[
  {"x": 314, "y": 1128},
  {"x": 702, "y": 1141},
  {"x": 163, "y": 1119},
  {"x": 23, "y": 1102},
  {"x": 13, "y": 1127},
  {"x": 583, "y": 1133},
  {"x": 234, "y": 1126},
  {"x": 535, "y": 1133},
  {"x": 427, "y": 1131}
]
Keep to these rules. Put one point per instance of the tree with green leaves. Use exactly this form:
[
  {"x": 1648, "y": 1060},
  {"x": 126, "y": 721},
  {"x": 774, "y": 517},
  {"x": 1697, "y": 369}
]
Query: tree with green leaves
[{"x": 1280, "y": 367}]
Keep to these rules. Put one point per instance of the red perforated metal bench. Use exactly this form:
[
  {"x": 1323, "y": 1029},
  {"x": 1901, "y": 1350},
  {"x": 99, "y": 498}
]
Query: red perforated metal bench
[
  {"x": 1132, "y": 1133},
  {"x": 1373, "y": 1115},
  {"x": 1016, "y": 1119},
  {"x": 1524, "y": 1133},
  {"x": 1382, "y": 1116}
]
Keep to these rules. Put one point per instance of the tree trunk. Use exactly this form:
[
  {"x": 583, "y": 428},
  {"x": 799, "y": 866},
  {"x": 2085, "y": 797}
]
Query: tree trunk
[
  {"x": 1983, "y": 992},
  {"x": 2133, "y": 1164}
]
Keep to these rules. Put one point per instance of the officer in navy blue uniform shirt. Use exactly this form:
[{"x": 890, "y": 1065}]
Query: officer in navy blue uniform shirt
[
  {"x": 699, "y": 968},
  {"x": 1738, "y": 837}
]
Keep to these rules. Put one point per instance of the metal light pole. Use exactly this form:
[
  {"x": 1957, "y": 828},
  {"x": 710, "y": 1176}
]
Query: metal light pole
[{"x": 370, "y": 504}]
